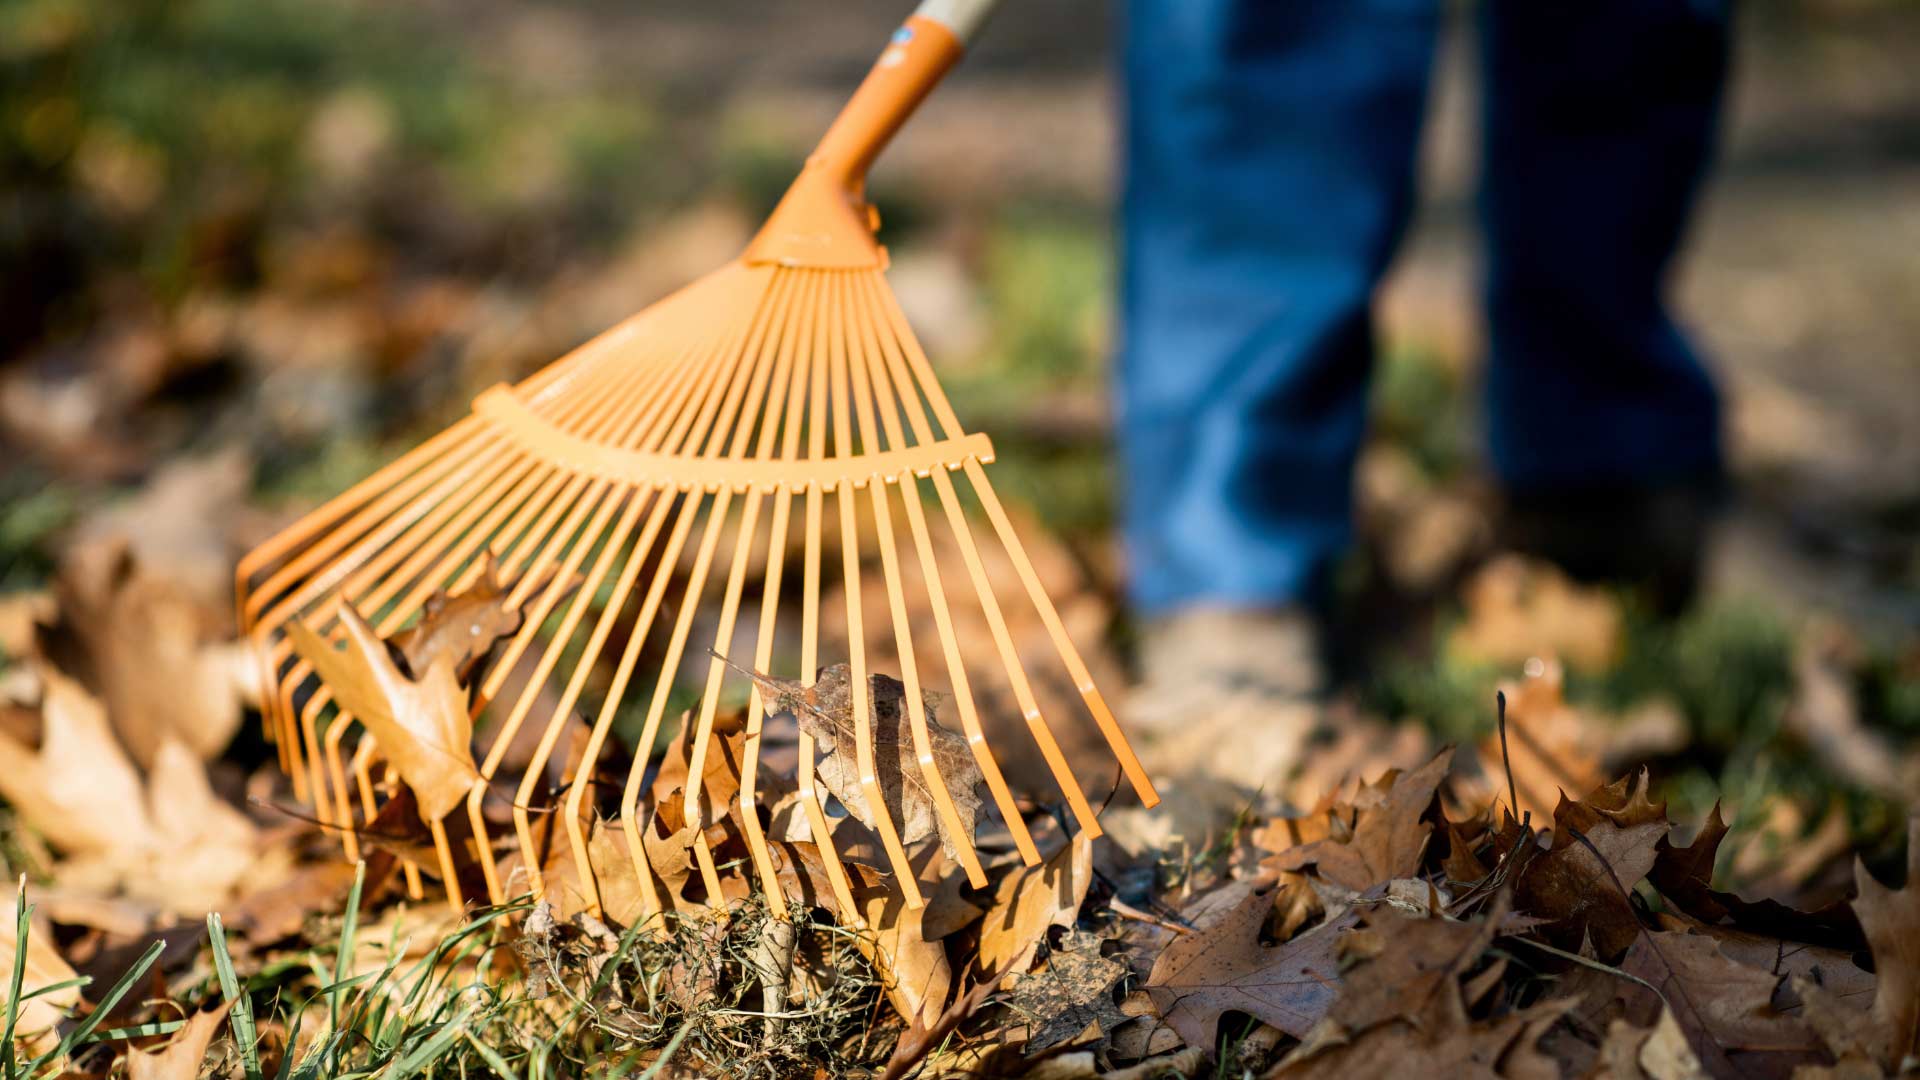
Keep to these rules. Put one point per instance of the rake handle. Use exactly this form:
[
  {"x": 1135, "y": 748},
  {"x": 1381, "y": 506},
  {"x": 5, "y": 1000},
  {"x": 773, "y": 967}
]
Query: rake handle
[{"x": 923, "y": 50}]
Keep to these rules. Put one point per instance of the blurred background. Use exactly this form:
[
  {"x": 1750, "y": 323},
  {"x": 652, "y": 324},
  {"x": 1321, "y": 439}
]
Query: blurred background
[{"x": 250, "y": 250}]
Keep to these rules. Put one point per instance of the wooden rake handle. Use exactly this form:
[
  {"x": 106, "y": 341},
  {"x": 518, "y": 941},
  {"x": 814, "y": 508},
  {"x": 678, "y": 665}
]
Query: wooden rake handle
[{"x": 823, "y": 222}]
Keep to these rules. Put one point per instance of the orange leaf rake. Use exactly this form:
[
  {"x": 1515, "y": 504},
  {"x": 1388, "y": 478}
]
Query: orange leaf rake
[{"x": 630, "y": 490}]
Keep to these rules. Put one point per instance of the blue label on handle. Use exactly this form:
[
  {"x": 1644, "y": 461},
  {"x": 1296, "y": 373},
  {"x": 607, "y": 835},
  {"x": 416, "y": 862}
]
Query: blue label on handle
[{"x": 902, "y": 35}]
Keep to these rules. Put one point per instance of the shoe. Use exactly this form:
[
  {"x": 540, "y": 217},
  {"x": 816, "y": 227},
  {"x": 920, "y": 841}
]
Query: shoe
[{"x": 1649, "y": 540}]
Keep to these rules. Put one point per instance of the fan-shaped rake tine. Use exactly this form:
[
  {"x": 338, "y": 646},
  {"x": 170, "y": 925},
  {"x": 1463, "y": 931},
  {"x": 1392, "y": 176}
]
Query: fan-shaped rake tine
[
  {"x": 845, "y": 497},
  {"x": 893, "y": 386},
  {"x": 748, "y": 377},
  {"x": 962, "y": 532},
  {"x": 936, "y": 398},
  {"x": 543, "y": 671},
  {"x": 425, "y": 539},
  {"x": 422, "y": 540},
  {"x": 792, "y": 316},
  {"x": 862, "y": 347}
]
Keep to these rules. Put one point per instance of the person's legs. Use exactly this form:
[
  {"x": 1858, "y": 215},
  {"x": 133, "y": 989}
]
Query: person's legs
[
  {"x": 1269, "y": 157},
  {"x": 1599, "y": 124}
]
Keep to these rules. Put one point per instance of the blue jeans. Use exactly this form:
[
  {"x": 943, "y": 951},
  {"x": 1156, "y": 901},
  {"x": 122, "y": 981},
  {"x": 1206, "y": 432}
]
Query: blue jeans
[{"x": 1270, "y": 157}]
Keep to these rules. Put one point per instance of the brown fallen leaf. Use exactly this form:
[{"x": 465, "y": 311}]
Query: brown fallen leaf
[
  {"x": 122, "y": 632},
  {"x": 825, "y": 710},
  {"x": 720, "y": 778},
  {"x": 1504, "y": 1047},
  {"x": 1409, "y": 966},
  {"x": 1656, "y": 1053},
  {"x": 917, "y": 977},
  {"x": 1029, "y": 900},
  {"x": 1825, "y": 715},
  {"x": 1888, "y": 1036},
  {"x": 1222, "y": 966},
  {"x": 1726, "y": 1010},
  {"x": 421, "y": 723},
  {"x": 466, "y": 625},
  {"x": 181, "y": 1058},
  {"x": 78, "y": 789},
  {"x": 44, "y": 968},
  {"x": 1684, "y": 876},
  {"x": 1579, "y": 884},
  {"x": 1073, "y": 993},
  {"x": 1388, "y": 833},
  {"x": 1520, "y": 608}
]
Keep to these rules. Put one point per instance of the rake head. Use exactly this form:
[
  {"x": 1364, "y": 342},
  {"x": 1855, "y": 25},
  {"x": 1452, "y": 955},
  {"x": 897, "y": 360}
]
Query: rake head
[{"x": 654, "y": 494}]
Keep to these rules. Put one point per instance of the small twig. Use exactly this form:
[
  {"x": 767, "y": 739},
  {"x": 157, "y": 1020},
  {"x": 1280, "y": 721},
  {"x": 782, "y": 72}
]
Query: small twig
[
  {"x": 1506, "y": 759},
  {"x": 1125, "y": 910}
]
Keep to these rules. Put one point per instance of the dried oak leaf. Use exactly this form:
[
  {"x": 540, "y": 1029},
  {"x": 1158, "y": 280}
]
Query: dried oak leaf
[
  {"x": 1889, "y": 1034},
  {"x": 720, "y": 776},
  {"x": 1222, "y": 966},
  {"x": 421, "y": 723},
  {"x": 1729, "y": 1012},
  {"x": 1387, "y": 835},
  {"x": 1071, "y": 994},
  {"x": 1684, "y": 875},
  {"x": 464, "y": 626},
  {"x": 1409, "y": 967},
  {"x": 1601, "y": 847},
  {"x": 1028, "y": 901},
  {"x": 825, "y": 710}
]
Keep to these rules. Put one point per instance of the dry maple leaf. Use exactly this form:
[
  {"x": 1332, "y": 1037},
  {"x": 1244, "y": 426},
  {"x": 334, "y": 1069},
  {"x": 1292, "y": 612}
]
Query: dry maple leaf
[
  {"x": 421, "y": 724},
  {"x": 1222, "y": 966},
  {"x": 1028, "y": 901},
  {"x": 825, "y": 710},
  {"x": 1388, "y": 836}
]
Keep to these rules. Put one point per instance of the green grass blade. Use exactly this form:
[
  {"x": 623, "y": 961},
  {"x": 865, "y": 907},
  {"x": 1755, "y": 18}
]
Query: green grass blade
[
  {"x": 492, "y": 1057},
  {"x": 23, "y": 918},
  {"x": 241, "y": 1016},
  {"x": 135, "y": 1031},
  {"x": 114, "y": 993},
  {"x": 348, "y": 927}
]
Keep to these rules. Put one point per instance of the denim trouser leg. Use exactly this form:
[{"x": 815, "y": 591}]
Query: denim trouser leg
[
  {"x": 1599, "y": 123},
  {"x": 1269, "y": 154}
]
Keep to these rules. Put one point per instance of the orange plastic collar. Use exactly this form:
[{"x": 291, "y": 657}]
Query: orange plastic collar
[{"x": 823, "y": 221}]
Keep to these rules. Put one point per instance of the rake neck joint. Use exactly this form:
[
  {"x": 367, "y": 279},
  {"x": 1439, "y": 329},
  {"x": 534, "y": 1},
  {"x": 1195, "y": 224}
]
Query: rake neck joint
[{"x": 824, "y": 221}]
